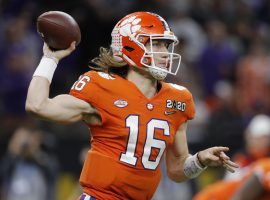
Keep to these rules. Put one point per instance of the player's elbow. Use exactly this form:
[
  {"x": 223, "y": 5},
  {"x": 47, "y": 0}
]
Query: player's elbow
[{"x": 32, "y": 107}]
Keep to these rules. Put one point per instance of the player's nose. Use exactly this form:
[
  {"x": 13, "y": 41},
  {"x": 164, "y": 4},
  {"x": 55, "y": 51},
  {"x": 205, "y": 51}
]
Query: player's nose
[{"x": 164, "y": 56}]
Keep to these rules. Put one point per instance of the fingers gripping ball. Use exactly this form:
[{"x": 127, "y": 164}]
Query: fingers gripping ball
[{"x": 58, "y": 29}]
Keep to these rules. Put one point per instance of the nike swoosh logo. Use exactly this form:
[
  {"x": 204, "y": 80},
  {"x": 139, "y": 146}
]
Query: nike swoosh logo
[{"x": 169, "y": 112}]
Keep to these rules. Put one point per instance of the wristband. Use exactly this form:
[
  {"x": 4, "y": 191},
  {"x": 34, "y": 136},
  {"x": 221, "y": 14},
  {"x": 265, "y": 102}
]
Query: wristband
[
  {"x": 192, "y": 167},
  {"x": 46, "y": 68}
]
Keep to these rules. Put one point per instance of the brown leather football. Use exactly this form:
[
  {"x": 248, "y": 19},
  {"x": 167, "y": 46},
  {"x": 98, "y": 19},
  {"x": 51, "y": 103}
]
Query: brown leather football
[{"x": 58, "y": 29}]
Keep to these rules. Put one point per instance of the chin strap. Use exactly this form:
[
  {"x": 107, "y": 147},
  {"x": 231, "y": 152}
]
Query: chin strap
[{"x": 157, "y": 74}]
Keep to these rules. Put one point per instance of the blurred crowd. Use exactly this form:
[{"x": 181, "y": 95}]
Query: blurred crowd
[{"x": 225, "y": 64}]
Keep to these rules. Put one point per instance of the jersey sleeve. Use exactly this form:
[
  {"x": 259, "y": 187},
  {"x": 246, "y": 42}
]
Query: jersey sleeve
[
  {"x": 190, "y": 106},
  {"x": 85, "y": 88},
  {"x": 189, "y": 103},
  {"x": 185, "y": 96}
]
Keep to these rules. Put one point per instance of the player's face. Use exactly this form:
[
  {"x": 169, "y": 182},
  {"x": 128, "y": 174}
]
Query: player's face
[{"x": 161, "y": 59}]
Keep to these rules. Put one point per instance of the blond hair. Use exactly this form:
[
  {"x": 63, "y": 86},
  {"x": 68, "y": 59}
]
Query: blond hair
[{"x": 105, "y": 61}]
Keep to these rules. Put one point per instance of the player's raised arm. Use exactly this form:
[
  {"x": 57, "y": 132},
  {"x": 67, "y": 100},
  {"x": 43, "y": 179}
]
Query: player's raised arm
[{"x": 63, "y": 108}]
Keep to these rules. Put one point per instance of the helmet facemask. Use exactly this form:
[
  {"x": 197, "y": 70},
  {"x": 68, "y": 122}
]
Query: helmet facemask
[{"x": 148, "y": 59}]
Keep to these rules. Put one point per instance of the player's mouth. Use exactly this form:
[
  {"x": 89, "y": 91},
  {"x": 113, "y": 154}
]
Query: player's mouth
[{"x": 163, "y": 65}]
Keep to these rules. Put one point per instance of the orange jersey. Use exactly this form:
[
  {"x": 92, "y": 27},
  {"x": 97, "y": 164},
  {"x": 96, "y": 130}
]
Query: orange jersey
[
  {"x": 225, "y": 189},
  {"x": 126, "y": 149}
]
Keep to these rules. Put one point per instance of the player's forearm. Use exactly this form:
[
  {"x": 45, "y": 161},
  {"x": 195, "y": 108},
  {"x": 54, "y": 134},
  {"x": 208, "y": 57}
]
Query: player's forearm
[
  {"x": 177, "y": 177},
  {"x": 182, "y": 168},
  {"x": 175, "y": 169},
  {"x": 38, "y": 93},
  {"x": 177, "y": 154}
]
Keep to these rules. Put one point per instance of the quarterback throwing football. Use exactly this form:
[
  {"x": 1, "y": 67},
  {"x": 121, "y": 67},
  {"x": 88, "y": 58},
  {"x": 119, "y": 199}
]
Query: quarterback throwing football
[{"x": 134, "y": 116}]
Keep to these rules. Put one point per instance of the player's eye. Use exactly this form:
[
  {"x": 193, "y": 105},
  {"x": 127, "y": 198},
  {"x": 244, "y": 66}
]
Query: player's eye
[{"x": 155, "y": 43}]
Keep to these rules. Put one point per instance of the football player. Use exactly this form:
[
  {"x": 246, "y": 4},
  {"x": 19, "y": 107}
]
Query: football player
[
  {"x": 252, "y": 183},
  {"x": 252, "y": 180},
  {"x": 134, "y": 116}
]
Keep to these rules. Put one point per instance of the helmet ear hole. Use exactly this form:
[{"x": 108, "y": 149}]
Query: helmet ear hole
[
  {"x": 146, "y": 60},
  {"x": 143, "y": 39}
]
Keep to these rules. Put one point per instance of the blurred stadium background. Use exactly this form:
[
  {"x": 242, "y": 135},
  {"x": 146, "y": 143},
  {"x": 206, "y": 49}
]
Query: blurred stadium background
[{"x": 225, "y": 64}]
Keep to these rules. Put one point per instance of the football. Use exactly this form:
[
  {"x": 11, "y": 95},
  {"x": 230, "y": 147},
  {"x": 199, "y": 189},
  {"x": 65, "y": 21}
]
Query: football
[{"x": 58, "y": 29}]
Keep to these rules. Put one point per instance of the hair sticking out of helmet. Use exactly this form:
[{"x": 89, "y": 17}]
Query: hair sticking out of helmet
[{"x": 133, "y": 32}]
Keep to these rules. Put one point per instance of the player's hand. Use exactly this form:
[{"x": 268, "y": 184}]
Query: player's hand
[
  {"x": 215, "y": 156},
  {"x": 58, "y": 55}
]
